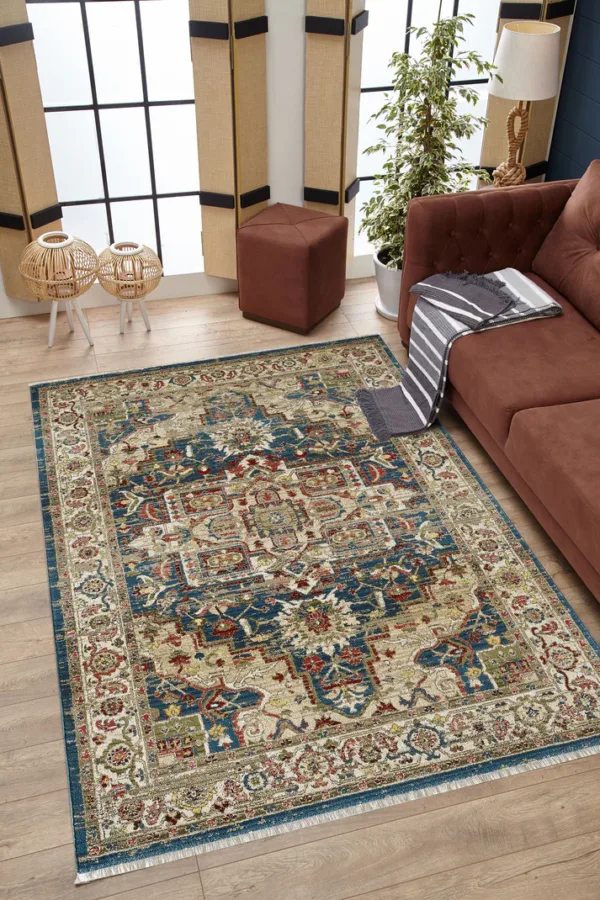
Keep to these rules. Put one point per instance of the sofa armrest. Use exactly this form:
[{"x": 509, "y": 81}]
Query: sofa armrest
[{"x": 476, "y": 231}]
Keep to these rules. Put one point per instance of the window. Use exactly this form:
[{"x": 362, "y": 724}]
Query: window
[
  {"x": 118, "y": 92},
  {"x": 387, "y": 33}
]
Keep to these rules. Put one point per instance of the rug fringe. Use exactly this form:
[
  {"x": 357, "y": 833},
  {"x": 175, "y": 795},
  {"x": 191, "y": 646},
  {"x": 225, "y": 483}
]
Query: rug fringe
[{"x": 343, "y": 813}]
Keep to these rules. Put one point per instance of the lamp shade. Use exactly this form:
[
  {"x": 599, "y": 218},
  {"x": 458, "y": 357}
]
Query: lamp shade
[{"x": 527, "y": 60}]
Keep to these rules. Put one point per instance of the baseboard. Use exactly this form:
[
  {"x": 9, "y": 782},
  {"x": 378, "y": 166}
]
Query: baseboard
[{"x": 171, "y": 286}]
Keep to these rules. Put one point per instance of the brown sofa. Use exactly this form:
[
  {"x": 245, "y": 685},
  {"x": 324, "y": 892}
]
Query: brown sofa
[{"x": 530, "y": 393}]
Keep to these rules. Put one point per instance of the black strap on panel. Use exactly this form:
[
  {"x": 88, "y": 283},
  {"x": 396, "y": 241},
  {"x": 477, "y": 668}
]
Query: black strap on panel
[
  {"x": 223, "y": 201},
  {"x": 536, "y": 169},
  {"x": 45, "y": 216},
  {"x": 325, "y": 25},
  {"x": 337, "y": 27},
  {"x": 251, "y": 198},
  {"x": 520, "y": 10},
  {"x": 249, "y": 27},
  {"x": 559, "y": 9},
  {"x": 216, "y": 31},
  {"x": 532, "y": 171},
  {"x": 317, "y": 195},
  {"x": 10, "y": 220},
  {"x": 352, "y": 190},
  {"x": 16, "y": 34},
  {"x": 360, "y": 21}
]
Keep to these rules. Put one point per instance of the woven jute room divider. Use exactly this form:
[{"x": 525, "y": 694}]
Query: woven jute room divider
[
  {"x": 334, "y": 39},
  {"x": 28, "y": 200},
  {"x": 229, "y": 55},
  {"x": 541, "y": 113}
]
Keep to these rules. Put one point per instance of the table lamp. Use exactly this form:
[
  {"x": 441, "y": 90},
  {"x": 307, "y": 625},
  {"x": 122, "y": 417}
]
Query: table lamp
[{"x": 527, "y": 61}]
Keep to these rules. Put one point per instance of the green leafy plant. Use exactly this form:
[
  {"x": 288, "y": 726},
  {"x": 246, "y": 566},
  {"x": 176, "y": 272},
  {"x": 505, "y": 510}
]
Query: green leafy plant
[{"x": 420, "y": 124}]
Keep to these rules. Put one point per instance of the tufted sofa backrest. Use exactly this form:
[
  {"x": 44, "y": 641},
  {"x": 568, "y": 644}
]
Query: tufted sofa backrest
[{"x": 477, "y": 231}]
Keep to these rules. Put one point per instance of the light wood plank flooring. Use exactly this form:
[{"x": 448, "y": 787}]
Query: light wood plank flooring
[{"x": 534, "y": 835}]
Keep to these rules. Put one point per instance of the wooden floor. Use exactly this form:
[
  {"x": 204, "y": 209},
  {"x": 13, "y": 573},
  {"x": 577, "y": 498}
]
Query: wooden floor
[{"x": 534, "y": 835}]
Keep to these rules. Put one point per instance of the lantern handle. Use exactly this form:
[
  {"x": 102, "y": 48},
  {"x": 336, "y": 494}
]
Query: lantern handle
[{"x": 65, "y": 240}]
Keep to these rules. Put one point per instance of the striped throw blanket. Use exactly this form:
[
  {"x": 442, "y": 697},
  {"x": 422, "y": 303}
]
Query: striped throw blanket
[{"x": 448, "y": 307}]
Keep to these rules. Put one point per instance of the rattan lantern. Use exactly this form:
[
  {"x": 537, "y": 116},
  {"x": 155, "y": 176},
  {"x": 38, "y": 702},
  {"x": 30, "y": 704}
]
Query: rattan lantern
[
  {"x": 129, "y": 271},
  {"x": 60, "y": 267}
]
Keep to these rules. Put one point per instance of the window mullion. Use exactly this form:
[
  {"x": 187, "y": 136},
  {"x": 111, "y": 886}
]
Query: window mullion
[
  {"x": 138, "y": 20},
  {"x": 90, "y": 60}
]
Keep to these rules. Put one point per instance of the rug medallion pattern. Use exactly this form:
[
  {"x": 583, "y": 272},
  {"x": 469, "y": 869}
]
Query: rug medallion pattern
[{"x": 263, "y": 615}]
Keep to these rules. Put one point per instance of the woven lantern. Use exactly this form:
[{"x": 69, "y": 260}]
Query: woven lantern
[
  {"x": 60, "y": 267},
  {"x": 129, "y": 271}
]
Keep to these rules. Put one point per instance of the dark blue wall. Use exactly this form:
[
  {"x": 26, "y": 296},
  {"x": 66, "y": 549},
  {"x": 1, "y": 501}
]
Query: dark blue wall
[{"x": 576, "y": 139}]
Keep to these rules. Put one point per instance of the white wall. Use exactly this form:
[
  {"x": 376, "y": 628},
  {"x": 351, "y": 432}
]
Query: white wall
[{"x": 285, "y": 99}]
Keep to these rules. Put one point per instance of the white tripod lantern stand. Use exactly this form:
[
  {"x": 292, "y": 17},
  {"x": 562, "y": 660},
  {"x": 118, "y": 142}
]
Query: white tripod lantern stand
[{"x": 60, "y": 268}]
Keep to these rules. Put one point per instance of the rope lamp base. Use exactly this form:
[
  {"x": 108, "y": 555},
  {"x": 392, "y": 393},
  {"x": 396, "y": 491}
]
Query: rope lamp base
[
  {"x": 512, "y": 171},
  {"x": 508, "y": 174}
]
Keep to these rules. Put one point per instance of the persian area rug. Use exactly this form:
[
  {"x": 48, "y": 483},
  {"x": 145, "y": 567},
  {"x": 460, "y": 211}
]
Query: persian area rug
[{"x": 265, "y": 619}]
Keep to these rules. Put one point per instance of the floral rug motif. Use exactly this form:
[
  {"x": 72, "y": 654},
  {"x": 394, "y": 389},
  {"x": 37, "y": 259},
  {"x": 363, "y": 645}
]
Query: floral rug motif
[{"x": 264, "y": 618}]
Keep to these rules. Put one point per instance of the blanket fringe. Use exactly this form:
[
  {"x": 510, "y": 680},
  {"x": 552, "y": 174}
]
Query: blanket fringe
[
  {"x": 373, "y": 415},
  {"x": 487, "y": 282},
  {"x": 354, "y": 809}
]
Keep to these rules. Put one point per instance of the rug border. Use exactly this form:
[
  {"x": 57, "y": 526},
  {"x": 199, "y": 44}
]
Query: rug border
[{"x": 326, "y": 810}]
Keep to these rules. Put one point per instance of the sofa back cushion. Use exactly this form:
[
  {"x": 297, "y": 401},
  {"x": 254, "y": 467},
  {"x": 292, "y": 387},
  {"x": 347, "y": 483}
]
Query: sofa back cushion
[{"x": 569, "y": 258}]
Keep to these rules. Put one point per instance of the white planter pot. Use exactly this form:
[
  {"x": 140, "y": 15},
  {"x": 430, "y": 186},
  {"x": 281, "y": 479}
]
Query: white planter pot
[{"x": 388, "y": 286}]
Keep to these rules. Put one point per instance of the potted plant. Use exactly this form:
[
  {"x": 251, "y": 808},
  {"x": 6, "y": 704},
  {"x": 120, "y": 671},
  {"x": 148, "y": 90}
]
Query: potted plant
[{"x": 420, "y": 124}]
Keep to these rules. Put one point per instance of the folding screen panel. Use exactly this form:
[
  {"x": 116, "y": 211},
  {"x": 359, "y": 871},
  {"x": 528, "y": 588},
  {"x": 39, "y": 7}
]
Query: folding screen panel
[
  {"x": 28, "y": 201},
  {"x": 229, "y": 56},
  {"x": 541, "y": 118},
  {"x": 250, "y": 99},
  {"x": 350, "y": 180},
  {"x": 213, "y": 90},
  {"x": 333, "y": 65}
]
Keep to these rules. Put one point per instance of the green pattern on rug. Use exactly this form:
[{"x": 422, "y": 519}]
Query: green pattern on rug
[{"x": 264, "y": 617}]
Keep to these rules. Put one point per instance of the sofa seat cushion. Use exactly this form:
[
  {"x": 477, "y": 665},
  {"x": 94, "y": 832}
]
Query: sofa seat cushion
[
  {"x": 555, "y": 449},
  {"x": 569, "y": 258},
  {"x": 531, "y": 364}
]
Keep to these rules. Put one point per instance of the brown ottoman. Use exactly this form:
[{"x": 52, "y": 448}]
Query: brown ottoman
[{"x": 291, "y": 266}]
